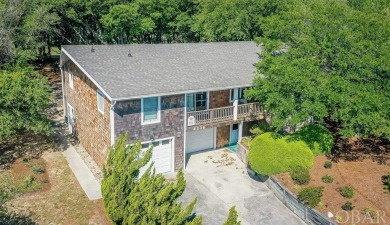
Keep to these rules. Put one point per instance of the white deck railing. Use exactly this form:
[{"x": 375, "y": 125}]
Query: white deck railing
[
  {"x": 210, "y": 116},
  {"x": 224, "y": 114},
  {"x": 247, "y": 110}
]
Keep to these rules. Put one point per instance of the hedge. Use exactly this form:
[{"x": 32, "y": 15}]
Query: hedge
[
  {"x": 269, "y": 156},
  {"x": 317, "y": 137}
]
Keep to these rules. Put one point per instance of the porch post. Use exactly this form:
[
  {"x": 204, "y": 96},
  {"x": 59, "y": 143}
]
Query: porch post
[
  {"x": 240, "y": 125},
  {"x": 235, "y": 109},
  {"x": 235, "y": 103}
]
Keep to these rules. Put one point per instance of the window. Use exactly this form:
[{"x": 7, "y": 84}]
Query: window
[
  {"x": 236, "y": 94},
  {"x": 197, "y": 101},
  {"x": 71, "y": 79},
  {"x": 100, "y": 101},
  {"x": 241, "y": 93},
  {"x": 145, "y": 146},
  {"x": 232, "y": 94},
  {"x": 150, "y": 110}
]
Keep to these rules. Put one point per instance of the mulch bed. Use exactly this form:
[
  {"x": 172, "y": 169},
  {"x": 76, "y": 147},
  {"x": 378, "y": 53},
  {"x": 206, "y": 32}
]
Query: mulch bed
[
  {"x": 21, "y": 169},
  {"x": 364, "y": 175}
]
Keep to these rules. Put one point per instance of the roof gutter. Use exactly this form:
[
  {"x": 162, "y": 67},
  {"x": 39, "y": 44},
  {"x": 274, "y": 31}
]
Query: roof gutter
[{"x": 179, "y": 92}]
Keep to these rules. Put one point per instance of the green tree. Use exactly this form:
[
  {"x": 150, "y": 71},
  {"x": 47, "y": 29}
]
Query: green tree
[
  {"x": 232, "y": 217},
  {"x": 122, "y": 22},
  {"x": 327, "y": 59},
  {"x": 149, "y": 199},
  {"x": 40, "y": 30},
  {"x": 24, "y": 96},
  {"x": 227, "y": 20}
]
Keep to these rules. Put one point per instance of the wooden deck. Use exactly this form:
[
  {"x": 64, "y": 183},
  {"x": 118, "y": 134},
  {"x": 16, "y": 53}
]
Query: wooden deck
[{"x": 216, "y": 116}]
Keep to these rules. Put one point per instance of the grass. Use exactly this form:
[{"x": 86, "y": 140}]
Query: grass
[
  {"x": 64, "y": 202},
  {"x": 12, "y": 185}
]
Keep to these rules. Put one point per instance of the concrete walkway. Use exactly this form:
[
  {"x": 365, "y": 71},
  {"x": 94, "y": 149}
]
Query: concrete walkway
[
  {"x": 219, "y": 180},
  {"x": 85, "y": 177},
  {"x": 83, "y": 174}
]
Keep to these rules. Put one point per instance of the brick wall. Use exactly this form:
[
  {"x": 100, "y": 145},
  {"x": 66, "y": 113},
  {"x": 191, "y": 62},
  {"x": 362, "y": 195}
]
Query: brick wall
[
  {"x": 92, "y": 127},
  {"x": 223, "y": 136},
  {"x": 127, "y": 118},
  {"x": 218, "y": 99}
]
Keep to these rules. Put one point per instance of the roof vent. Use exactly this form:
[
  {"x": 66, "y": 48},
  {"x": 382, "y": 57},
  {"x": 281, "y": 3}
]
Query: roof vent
[
  {"x": 129, "y": 55},
  {"x": 92, "y": 49}
]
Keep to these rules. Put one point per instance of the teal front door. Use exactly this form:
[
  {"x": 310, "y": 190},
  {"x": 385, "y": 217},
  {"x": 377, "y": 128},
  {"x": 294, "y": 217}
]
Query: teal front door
[{"x": 233, "y": 134}]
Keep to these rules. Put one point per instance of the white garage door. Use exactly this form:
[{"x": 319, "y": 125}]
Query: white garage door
[
  {"x": 161, "y": 155},
  {"x": 199, "y": 140}
]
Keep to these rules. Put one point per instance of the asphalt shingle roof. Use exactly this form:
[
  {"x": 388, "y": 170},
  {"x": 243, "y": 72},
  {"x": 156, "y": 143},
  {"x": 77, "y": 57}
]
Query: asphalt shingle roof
[{"x": 167, "y": 68}]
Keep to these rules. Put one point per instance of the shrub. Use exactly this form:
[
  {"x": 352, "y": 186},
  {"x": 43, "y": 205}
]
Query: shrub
[
  {"x": 328, "y": 164},
  {"x": 37, "y": 167},
  {"x": 386, "y": 183},
  {"x": 260, "y": 128},
  {"x": 300, "y": 175},
  {"x": 12, "y": 186},
  {"x": 317, "y": 137},
  {"x": 270, "y": 156},
  {"x": 347, "y": 191},
  {"x": 311, "y": 196},
  {"x": 28, "y": 181},
  {"x": 245, "y": 141},
  {"x": 327, "y": 179},
  {"x": 368, "y": 212},
  {"x": 348, "y": 206}
]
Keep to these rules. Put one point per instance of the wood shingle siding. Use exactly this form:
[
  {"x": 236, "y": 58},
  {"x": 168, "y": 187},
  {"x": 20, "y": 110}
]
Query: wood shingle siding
[
  {"x": 92, "y": 127},
  {"x": 219, "y": 99},
  {"x": 127, "y": 118}
]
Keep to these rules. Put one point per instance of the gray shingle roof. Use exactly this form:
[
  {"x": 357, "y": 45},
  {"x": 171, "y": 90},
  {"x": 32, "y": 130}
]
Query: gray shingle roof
[{"x": 167, "y": 68}]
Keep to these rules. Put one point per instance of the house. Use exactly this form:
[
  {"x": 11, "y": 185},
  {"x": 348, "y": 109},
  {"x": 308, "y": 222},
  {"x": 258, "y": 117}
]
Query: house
[{"x": 180, "y": 98}]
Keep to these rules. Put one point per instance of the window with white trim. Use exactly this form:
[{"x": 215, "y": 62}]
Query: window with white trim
[
  {"x": 197, "y": 101},
  {"x": 236, "y": 93},
  {"x": 150, "y": 110},
  {"x": 100, "y": 101},
  {"x": 71, "y": 79}
]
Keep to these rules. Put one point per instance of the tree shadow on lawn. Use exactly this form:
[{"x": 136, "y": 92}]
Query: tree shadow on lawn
[
  {"x": 8, "y": 218},
  {"x": 357, "y": 149},
  {"x": 24, "y": 144},
  {"x": 30, "y": 145}
]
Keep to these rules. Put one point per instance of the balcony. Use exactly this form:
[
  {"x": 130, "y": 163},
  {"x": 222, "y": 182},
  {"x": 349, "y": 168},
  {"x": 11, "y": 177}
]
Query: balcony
[{"x": 225, "y": 115}]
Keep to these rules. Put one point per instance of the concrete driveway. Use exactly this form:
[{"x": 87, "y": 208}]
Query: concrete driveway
[{"x": 219, "y": 180}]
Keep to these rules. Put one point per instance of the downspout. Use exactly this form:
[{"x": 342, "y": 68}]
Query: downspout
[
  {"x": 63, "y": 91},
  {"x": 112, "y": 121}
]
